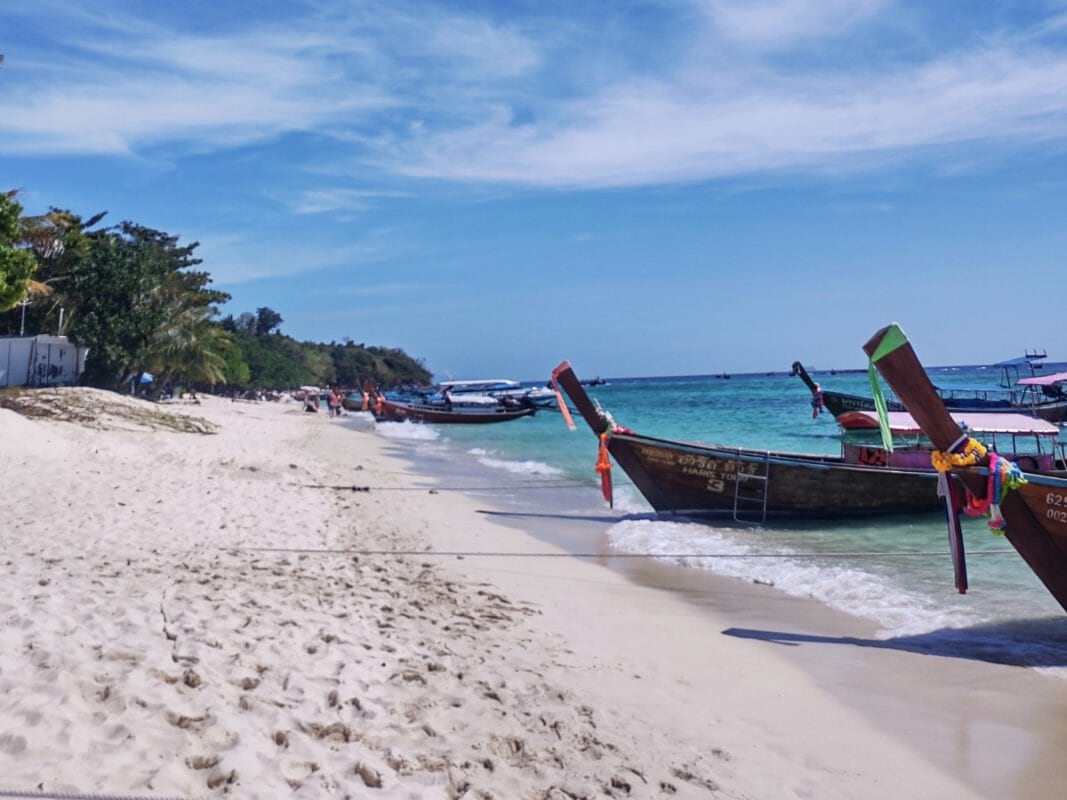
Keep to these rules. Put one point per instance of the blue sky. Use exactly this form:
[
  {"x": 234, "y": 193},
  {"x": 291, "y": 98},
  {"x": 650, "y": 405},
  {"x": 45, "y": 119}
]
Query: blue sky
[{"x": 645, "y": 188}]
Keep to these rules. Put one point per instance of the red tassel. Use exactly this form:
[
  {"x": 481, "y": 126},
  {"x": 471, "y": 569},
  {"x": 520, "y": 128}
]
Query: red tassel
[{"x": 603, "y": 466}]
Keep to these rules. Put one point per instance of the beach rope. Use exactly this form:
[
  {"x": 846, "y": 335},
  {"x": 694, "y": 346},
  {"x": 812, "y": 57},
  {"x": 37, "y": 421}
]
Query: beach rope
[
  {"x": 548, "y": 484},
  {"x": 610, "y": 554},
  {"x": 81, "y": 795}
]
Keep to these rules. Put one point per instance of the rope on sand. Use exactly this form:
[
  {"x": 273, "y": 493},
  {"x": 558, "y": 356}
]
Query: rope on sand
[
  {"x": 42, "y": 795},
  {"x": 516, "y": 554},
  {"x": 435, "y": 489}
]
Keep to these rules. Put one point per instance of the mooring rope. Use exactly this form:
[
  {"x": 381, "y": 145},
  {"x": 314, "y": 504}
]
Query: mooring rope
[
  {"x": 81, "y": 795},
  {"x": 519, "y": 554},
  {"x": 431, "y": 489}
]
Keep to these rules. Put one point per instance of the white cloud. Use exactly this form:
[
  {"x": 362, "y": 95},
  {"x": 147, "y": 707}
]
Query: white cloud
[
  {"x": 236, "y": 259},
  {"x": 645, "y": 131},
  {"x": 320, "y": 201},
  {"x": 779, "y": 23},
  {"x": 421, "y": 92}
]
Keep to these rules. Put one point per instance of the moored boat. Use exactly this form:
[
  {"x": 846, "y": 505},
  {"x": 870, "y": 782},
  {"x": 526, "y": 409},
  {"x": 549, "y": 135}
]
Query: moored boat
[
  {"x": 705, "y": 480},
  {"x": 498, "y": 389},
  {"x": 836, "y": 403},
  {"x": 1032, "y": 515},
  {"x": 1032, "y": 443},
  {"x": 386, "y": 410},
  {"x": 1035, "y": 397}
]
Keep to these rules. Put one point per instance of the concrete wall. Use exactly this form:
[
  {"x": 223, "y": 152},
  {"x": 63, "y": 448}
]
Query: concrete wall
[{"x": 40, "y": 361}]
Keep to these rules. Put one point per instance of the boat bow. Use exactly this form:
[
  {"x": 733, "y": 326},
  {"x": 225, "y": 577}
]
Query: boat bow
[{"x": 1033, "y": 528}]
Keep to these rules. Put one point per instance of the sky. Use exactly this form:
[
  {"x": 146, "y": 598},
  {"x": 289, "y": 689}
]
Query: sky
[{"x": 643, "y": 188}]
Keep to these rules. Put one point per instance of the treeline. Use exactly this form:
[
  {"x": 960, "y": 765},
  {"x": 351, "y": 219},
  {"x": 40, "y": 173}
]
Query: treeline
[
  {"x": 275, "y": 360},
  {"x": 135, "y": 298}
]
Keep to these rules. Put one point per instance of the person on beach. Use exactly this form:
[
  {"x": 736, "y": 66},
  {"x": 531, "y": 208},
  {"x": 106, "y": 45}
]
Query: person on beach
[
  {"x": 311, "y": 402},
  {"x": 333, "y": 402}
]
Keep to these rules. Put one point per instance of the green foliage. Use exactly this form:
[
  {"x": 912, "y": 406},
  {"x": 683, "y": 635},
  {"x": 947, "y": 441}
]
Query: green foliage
[
  {"x": 16, "y": 264},
  {"x": 132, "y": 295},
  {"x": 267, "y": 321},
  {"x": 276, "y": 361}
]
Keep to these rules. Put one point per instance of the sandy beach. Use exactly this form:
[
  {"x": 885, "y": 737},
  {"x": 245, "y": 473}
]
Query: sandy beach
[{"x": 240, "y": 599}]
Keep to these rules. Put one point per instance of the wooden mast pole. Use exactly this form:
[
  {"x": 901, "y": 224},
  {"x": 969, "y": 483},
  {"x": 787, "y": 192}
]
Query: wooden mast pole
[{"x": 896, "y": 361}]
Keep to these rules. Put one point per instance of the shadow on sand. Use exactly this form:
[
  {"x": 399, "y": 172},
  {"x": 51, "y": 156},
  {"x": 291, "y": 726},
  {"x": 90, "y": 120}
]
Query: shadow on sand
[
  {"x": 1029, "y": 643},
  {"x": 607, "y": 518},
  {"x": 1032, "y": 642}
]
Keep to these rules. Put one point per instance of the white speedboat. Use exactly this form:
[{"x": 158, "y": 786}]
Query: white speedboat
[{"x": 500, "y": 388}]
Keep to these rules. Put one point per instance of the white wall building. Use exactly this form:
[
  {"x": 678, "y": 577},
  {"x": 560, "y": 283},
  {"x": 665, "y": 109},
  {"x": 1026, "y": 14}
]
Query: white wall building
[{"x": 40, "y": 361}]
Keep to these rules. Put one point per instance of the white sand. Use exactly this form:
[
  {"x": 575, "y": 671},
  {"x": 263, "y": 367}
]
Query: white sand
[{"x": 153, "y": 643}]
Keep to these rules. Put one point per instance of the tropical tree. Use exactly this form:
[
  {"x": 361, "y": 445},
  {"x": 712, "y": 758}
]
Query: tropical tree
[
  {"x": 56, "y": 239},
  {"x": 17, "y": 265},
  {"x": 190, "y": 348},
  {"x": 267, "y": 321},
  {"x": 134, "y": 298}
]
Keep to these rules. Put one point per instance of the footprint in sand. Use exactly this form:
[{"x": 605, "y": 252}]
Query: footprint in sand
[{"x": 12, "y": 744}]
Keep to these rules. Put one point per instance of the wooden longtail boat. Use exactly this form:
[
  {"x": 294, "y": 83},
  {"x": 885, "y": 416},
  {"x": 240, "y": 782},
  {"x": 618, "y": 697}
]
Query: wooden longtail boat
[
  {"x": 703, "y": 480},
  {"x": 836, "y": 403},
  {"x": 1032, "y": 443},
  {"x": 392, "y": 411},
  {"x": 1042, "y": 398},
  {"x": 1035, "y": 513}
]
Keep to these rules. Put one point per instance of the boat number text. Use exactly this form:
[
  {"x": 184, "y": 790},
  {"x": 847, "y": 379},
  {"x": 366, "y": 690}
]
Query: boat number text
[
  {"x": 1057, "y": 507},
  {"x": 716, "y": 471}
]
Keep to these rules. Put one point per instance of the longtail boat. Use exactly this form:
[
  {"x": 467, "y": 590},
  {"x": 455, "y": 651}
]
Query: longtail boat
[
  {"x": 704, "y": 480},
  {"x": 1032, "y": 515},
  {"x": 386, "y": 410},
  {"x": 836, "y": 403},
  {"x": 1040, "y": 397}
]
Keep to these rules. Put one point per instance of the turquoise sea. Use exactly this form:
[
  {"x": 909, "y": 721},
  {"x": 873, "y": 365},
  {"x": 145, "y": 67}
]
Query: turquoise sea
[{"x": 893, "y": 571}]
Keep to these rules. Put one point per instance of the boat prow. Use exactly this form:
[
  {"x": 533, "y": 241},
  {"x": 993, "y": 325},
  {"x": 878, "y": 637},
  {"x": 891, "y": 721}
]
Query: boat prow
[{"x": 1034, "y": 513}]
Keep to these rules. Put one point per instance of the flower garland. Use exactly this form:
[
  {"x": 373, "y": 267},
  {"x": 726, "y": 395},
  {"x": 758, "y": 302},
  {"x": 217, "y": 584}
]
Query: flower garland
[
  {"x": 1003, "y": 476},
  {"x": 973, "y": 452}
]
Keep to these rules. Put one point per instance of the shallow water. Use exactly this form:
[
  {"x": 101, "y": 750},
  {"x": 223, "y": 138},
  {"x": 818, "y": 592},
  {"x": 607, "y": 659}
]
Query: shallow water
[{"x": 894, "y": 571}]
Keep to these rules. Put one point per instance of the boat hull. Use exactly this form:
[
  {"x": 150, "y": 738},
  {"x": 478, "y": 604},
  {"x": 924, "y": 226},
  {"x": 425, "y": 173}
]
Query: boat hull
[
  {"x": 753, "y": 485},
  {"x": 391, "y": 411},
  {"x": 838, "y": 403},
  {"x": 702, "y": 480}
]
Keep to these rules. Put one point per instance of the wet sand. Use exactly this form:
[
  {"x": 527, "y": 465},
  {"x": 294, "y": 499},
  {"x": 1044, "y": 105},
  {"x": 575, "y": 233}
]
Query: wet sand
[{"x": 1000, "y": 728}]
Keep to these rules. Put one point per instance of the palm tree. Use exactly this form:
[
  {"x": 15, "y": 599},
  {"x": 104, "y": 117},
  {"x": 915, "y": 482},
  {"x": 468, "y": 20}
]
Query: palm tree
[{"x": 189, "y": 346}]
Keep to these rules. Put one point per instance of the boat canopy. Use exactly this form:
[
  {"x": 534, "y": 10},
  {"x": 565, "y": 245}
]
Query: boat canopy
[
  {"x": 1045, "y": 380},
  {"x": 480, "y": 386},
  {"x": 986, "y": 388},
  {"x": 1021, "y": 361},
  {"x": 901, "y": 422}
]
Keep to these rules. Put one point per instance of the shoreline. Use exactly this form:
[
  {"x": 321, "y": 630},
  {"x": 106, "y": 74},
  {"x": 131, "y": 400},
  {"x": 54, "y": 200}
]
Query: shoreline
[
  {"x": 947, "y": 711},
  {"x": 205, "y": 615}
]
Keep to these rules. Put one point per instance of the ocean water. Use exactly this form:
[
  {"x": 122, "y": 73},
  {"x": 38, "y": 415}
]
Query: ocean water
[{"x": 894, "y": 571}]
